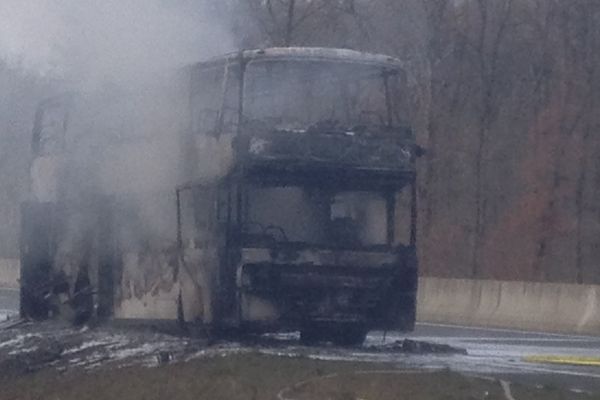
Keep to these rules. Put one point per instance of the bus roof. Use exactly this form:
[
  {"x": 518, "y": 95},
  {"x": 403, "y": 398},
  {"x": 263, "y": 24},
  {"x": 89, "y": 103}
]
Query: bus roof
[{"x": 312, "y": 54}]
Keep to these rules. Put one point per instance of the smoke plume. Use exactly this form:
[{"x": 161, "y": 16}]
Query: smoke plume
[
  {"x": 87, "y": 42},
  {"x": 105, "y": 52}
]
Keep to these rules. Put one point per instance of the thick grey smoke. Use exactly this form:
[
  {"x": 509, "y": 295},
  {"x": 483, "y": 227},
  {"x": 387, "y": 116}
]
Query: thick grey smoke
[
  {"x": 106, "y": 52},
  {"x": 91, "y": 42}
]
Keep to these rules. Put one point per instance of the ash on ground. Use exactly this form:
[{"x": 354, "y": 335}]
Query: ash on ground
[
  {"x": 418, "y": 347},
  {"x": 32, "y": 346}
]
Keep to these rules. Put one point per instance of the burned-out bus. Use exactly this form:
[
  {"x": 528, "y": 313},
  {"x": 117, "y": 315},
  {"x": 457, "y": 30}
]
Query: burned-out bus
[{"x": 291, "y": 193}]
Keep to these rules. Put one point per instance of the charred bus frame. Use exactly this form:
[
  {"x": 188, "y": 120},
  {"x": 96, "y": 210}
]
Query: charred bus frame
[{"x": 382, "y": 164}]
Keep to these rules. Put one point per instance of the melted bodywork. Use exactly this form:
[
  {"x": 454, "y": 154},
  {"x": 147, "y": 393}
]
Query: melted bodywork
[{"x": 295, "y": 202}]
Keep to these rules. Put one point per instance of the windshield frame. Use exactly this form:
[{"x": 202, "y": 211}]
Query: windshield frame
[
  {"x": 390, "y": 119},
  {"x": 230, "y": 80}
]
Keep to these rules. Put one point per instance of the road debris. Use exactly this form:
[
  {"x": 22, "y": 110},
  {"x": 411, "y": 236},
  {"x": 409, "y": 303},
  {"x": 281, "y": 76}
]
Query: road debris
[{"x": 418, "y": 347}]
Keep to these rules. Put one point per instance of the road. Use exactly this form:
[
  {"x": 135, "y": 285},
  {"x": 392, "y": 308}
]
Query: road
[
  {"x": 500, "y": 353},
  {"x": 496, "y": 353},
  {"x": 490, "y": 352}
]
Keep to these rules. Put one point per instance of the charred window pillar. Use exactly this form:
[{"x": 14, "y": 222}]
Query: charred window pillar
[
  {"x": 390, "y": 207},
  {"x": 108, "y": 257},
  {"x": 37, "y": 253}
]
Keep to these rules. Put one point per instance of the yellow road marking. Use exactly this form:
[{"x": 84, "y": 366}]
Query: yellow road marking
[{"x": 565, "y": 360}]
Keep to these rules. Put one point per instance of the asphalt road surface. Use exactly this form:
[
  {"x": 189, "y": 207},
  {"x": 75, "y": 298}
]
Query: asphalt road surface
[
  {"x": 500, "y": 353},
  {"x": 490, "y": 352}
]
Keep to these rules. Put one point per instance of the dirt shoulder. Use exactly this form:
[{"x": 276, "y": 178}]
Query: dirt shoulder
[{"x": 257, "y": 376}]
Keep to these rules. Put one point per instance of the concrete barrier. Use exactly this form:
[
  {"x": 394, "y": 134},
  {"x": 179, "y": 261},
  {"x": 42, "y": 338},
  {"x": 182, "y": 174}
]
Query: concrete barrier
[
  {"x": 547, "y": 307},
  {"x": 10, "y": 272}
]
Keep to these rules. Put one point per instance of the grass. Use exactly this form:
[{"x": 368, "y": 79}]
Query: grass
[{"x": 257, "y": 377}]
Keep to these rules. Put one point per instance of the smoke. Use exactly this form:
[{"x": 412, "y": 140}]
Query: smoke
[
  {"x": 90, "y": 42},
  {"x": 120, "y": 140}
]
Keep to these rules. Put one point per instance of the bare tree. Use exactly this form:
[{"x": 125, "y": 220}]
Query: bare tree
[
  {"x": 487, "y": 46},
  {"x": 282, "y": 21}
]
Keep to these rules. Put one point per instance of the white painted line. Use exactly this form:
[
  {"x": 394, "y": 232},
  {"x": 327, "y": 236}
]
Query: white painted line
[{"x": 506, "y": 388}]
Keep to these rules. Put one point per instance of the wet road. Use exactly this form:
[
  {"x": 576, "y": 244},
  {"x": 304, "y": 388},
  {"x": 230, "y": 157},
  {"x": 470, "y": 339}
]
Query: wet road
[
  {"x": 496, "y": 353},
  {"x": 491, "y": 352},
  {"x": 500, "y": 353}
]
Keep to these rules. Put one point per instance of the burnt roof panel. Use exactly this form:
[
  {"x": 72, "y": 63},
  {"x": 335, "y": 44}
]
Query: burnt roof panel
[{"x": 311, "y": 54}]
